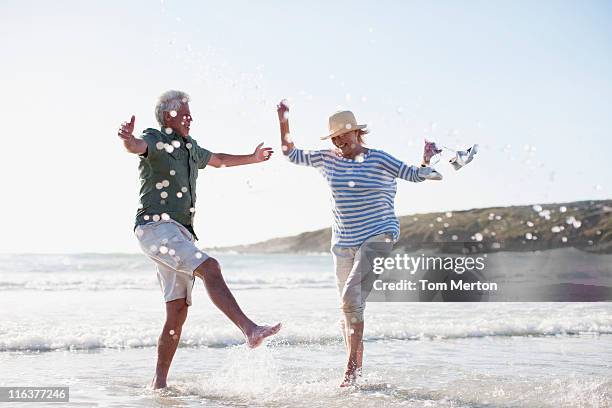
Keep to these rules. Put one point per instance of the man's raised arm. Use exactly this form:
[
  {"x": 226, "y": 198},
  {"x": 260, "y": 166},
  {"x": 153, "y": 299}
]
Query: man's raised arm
[{"x": 132, "y": 145}]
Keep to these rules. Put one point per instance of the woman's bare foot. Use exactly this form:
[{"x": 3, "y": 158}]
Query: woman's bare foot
[
  {"x": 259, "y": 333},
  {"x": 350, "y": 378}
]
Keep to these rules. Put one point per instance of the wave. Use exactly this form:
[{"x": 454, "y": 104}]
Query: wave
[
  {"x": 130, "y": 337},
  {"x": 149, "y": 283}
]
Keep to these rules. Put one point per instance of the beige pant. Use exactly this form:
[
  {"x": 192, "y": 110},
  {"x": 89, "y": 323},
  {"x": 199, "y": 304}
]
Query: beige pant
[{"x": 354, "y": 273}]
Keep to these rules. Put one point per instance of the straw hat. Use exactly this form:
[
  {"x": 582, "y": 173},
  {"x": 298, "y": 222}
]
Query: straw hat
[{"x": 342, "y": 122}]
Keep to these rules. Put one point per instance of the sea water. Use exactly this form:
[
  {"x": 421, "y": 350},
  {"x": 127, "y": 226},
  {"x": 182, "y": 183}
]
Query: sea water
[{"x": 91, "y": 322}]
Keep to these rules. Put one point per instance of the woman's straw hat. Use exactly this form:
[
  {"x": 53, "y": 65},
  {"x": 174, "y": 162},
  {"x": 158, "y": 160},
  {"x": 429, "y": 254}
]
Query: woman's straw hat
[{"x": 342, "y": 122}]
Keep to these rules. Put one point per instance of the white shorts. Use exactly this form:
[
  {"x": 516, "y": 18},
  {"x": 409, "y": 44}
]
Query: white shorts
[{"x": 171, "y": 246}]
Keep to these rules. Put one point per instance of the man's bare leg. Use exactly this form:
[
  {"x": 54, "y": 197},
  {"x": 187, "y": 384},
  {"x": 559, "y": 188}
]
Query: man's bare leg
[
  {"x": 176, "y": 314},
  {"x": 210, "y": 273},
  {"x": 355, "y": 337}
]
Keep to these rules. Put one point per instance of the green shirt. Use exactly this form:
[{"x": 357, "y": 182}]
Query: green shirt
[{"x": 168, "y": 173}]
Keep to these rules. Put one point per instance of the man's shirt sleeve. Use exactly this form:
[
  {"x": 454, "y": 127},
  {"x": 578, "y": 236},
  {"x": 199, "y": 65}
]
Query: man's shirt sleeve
[
  {"x": 202, "y": 155},
  {"x": 154, "y": 141}
]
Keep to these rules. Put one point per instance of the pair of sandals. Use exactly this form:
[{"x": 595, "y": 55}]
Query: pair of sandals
[{"x": 462, "y": 158}]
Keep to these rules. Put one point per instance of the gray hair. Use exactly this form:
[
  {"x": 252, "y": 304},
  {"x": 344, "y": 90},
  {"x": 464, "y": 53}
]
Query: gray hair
[{"x": 169, "y": 101}]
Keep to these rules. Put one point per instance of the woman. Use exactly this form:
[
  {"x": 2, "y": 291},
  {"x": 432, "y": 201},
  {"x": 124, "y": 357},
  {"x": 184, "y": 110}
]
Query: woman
[{"x": 362, "y": 182}]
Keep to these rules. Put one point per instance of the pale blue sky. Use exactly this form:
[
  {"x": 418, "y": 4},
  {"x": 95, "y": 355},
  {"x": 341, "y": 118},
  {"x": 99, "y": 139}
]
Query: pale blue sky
[{"x": 529, "y": 81}]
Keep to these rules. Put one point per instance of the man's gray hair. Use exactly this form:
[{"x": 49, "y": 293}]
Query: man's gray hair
[{"x": 169, "y": 101}]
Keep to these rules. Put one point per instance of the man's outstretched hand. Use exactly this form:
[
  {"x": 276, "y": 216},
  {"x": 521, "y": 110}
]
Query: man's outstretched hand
[
  {"x": 131, "y": 144},
  {"x": 126, "y": 130},
  {"x": 262, "y": 153}
]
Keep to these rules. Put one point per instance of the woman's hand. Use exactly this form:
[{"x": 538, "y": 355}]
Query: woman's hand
[
  {"x": 283, "y": 111},
  {"x": 429, "y": 151}
]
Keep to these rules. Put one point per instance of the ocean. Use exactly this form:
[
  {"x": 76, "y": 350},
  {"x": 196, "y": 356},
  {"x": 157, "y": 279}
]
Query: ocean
[{"x": 91, "y": 322}]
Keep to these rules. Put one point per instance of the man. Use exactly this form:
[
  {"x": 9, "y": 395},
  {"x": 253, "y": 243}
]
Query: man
[{"x": 169, "y": 163}]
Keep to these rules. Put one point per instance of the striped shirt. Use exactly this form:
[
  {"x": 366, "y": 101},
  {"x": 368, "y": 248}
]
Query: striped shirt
[{"x": 363, "y": 191}]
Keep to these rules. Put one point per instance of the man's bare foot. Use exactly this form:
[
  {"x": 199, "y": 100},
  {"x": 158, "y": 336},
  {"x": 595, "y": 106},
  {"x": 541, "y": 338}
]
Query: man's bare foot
[
  {"x": 259, "y": 333},
  {"x": 157, "y": 383}
]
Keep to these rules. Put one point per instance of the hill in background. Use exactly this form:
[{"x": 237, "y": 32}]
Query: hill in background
[{"x": 586, "y": 225}]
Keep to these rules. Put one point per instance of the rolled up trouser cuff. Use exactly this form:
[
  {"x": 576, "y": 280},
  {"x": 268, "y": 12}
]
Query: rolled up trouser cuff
[{"x": 353, "y": 316}]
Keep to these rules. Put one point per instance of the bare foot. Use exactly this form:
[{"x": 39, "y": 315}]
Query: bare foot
[
  {"x": 157, "y": 383},
  {"x": 351, "y": 374},
  {"x": 259, "y": 333},
  {"x": 350, "y": 378}
]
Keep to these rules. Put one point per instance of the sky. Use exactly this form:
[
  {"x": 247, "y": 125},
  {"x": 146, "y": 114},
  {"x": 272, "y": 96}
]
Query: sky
[{"x": 530, "y": 82}]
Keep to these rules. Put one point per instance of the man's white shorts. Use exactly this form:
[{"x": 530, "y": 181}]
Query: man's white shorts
[{"x": 172, "y": 247}]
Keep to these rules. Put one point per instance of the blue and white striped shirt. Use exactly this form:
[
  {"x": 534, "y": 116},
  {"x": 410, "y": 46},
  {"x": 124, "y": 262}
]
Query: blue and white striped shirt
[{"x": 363, "y": 191}]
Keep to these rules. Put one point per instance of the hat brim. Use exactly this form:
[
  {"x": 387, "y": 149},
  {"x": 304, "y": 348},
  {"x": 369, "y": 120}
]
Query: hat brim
[{"x": 343, "y": 131}]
